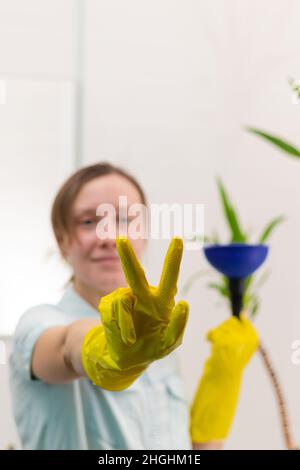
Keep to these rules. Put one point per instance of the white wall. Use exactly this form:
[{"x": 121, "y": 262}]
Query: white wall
[
  {"x": 36, "y": 154},
  {"x": 37, "y": 127},
  {"x": 169, "y": 86},
  {"x": 8, "y": 432}
]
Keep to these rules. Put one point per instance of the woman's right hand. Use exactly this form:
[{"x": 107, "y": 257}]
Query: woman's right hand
[{"x": 141, "y": 323}]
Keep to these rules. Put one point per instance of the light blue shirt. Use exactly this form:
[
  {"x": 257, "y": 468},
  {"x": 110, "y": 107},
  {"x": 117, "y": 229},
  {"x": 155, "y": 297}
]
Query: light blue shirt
[{"x": 151, "y": 414}]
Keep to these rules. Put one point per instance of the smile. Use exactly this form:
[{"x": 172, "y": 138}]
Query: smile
[{"x": 106, "y": 259}]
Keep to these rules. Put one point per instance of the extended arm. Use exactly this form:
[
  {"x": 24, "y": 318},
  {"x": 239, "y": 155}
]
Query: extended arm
[
  {"x": 57, "y": 355},
  {"x": 216, "y": 398}
]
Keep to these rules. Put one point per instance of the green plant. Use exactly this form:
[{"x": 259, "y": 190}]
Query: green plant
[
  {"x": 251, "y": 300},
  {"x": 275, "y": 140},
  {"x": 294, "y": 152},
  {"x": 237, "y": 234}
]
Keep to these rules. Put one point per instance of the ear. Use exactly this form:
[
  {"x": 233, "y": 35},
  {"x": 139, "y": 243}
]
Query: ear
[{"x": 63, "y": 241}]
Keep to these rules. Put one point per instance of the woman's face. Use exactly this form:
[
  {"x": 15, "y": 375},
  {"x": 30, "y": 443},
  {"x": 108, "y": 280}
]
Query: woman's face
[{"x": 95, "y": 261}]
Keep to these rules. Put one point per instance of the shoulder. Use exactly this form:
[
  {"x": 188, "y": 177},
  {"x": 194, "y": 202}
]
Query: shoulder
[
  {"x": 35, "y": 320},
  {"x": 32, "y": 324},
  {"x": 42, "y": 313}
]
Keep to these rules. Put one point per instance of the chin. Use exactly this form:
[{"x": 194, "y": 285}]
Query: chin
[{"x": 109, "y": 285}]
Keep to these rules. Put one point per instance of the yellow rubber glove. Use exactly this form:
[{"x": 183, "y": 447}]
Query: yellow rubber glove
[
  {"x": 139, "y": 324},
  {"x": 215, "y": 401}
]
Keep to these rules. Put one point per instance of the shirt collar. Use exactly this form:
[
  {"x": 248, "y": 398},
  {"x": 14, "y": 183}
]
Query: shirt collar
[{"x": 72, "y": 303}]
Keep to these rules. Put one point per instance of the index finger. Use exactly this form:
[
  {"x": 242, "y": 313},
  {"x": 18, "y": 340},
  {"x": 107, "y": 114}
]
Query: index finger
[
  {"x": 133, "y": 271},
  {"x": 168, "y": 282}
]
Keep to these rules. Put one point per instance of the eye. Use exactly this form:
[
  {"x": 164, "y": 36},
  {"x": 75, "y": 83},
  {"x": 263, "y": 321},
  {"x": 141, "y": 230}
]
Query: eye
[{"x": 87, "y": 222}]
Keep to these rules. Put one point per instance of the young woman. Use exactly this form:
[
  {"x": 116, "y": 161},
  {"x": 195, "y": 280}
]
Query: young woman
[{"x": 78, "y": 382}]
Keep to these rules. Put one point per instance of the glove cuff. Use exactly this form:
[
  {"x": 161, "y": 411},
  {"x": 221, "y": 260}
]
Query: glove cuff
[
  {"x": 100, "y": 367},
  {"x": 214, "y": 406}
]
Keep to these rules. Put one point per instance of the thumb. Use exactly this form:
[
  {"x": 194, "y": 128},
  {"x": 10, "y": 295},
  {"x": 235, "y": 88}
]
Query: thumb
[
  {"x": 177, "y": 324},
  {"x": 123, "y": 311}
]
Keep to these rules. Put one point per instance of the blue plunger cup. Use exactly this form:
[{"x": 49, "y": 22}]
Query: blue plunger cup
[{"x": 236, "y": 261}]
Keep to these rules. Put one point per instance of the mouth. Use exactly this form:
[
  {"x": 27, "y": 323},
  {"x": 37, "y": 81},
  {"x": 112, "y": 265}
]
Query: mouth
[{"x": 106, "y": 259}]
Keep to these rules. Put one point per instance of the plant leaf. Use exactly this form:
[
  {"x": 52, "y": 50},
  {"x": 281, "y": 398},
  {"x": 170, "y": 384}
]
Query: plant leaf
[
  {"x": 254, "y": 306},
  {"x": 214, "y": 239},
  {"x": 265, "y": 275},
  {"x": 192, "y": 279},
  {"x": 247, "y": 283},
  {"x": 198, "y": 238},
  {"x": 230, "y": 214},
  {"x": 211, "y": 240},
  {"x": 220, "y": 288},
  {"x": 285, "y": 146},
  {"x": 295, "y": 86},
  {"x": 269, "y": 228}
]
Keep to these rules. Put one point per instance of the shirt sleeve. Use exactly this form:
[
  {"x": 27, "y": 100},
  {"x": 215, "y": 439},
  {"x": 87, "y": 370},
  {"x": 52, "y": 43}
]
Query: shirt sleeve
[{"x": 33, "y": 323}]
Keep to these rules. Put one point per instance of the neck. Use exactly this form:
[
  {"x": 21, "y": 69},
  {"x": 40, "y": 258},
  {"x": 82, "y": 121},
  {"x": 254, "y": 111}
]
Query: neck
[{"x": 87, "y": 293}]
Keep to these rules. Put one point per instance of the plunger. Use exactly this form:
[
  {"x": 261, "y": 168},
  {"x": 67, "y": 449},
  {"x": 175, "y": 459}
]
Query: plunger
[{"x": 236, "y": 261}]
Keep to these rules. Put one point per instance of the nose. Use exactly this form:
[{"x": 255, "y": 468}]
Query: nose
[{"x": 108, "y": 243}]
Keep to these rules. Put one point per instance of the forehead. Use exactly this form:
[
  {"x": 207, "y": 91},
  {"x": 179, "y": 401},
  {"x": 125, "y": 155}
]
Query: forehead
[{"x": 105, "y": 189}]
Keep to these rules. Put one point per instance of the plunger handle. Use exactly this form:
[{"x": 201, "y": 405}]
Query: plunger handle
[{"x": 236, "y": 290}]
